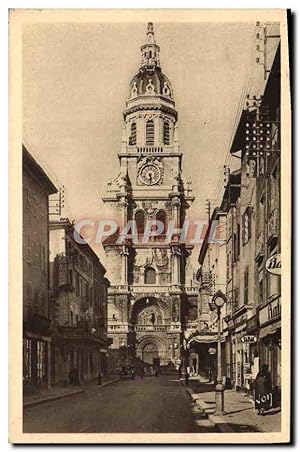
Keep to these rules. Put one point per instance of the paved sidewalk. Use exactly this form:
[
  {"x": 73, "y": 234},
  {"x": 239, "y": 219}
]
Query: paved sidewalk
[
  {"x": 58, "y": 392},
  {"x": 240, "y": 415}
]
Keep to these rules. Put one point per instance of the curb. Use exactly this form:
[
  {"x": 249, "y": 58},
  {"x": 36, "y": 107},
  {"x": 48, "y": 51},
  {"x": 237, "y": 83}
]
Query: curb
[
  {"x": 51, "y": 398},
  {"x": 108, "y": 383},
  {"x": 62, "y": 396},
  {"x": 217, "y": 421}
]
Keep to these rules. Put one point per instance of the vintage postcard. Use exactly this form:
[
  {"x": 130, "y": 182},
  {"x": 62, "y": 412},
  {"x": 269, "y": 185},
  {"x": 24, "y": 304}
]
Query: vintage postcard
[{"x": 150, "y": 232}]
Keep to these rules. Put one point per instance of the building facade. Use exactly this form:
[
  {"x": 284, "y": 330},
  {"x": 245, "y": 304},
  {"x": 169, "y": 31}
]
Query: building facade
[
  {"x": 78, "y": 291},
  {"x": 211, "y": 278},
  {"x": 149, "y": 298},
  {"x": 251, "y": 204},
  {"x": 36, "y": 310}
]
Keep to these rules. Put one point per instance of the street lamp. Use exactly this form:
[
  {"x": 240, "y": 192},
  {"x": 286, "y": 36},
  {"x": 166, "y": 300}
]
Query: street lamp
[
  {"x": 218, "y": 300},
  {"x": 185, "y": 356}
]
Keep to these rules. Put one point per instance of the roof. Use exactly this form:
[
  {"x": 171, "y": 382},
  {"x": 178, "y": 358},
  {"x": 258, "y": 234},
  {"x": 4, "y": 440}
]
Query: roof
[
  {"x": 68, "y": 226},
  {"x": 152, "y": 77},
  {"x": 217, "y": 212},
  {"x": 37, "y": 170}
]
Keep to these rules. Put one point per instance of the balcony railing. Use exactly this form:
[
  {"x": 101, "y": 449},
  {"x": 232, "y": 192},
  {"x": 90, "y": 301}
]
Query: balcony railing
[
  {"x": 273, "y": 226},
  {"x": 149, "y": 149},
  {"x": 150, "y": 328}
]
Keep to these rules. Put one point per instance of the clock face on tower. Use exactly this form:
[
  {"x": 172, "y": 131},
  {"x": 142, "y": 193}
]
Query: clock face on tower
[{"x": 150, "y": 174}]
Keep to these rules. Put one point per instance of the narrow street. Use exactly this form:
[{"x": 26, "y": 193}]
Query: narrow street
[{"x": 149, "y": 405}]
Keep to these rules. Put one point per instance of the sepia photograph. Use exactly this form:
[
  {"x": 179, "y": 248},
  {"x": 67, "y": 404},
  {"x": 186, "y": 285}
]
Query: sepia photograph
[{"x": 150, "y": 183}]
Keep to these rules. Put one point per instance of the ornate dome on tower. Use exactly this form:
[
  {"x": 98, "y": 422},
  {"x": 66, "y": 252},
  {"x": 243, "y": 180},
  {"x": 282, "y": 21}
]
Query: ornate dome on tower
[{"x": 150, "y": 79}]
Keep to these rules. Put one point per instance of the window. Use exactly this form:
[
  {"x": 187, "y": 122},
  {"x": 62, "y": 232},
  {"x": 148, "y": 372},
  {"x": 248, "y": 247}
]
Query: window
[
  {"x": 27, "y": 358},
  {"x": 261, "y": 213},
  {"x": 44, "y": 263},
  {"x": 77, "y": 285},
  {"x": 246, "y": 225},
  {"x": 140, "y": 222},
  {"x": 150, "y": 132},
  {"x": 162, "y": 217},
  {"x": 70, "y": 276},
  {"x": 132, "y": 138},
  {"x": 150, "y": 276},
  {"x": 87, "y": 293},
  {"x": 236, "y": 298},
  {"x": 71, "y": 317},
  {"x": 35, "y": 253},
  {"x": 27, "y": 247},
  {"x": 166, "y": 132},
  {"x": 246, "y": 282},
  {"x": 41, "y": 360},
  {"x": 261, "y": 291}
]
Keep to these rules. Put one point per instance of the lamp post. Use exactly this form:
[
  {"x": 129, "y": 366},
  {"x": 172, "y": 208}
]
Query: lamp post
[
  {"x": 218, "y": 300},
  {"x": 185, "y": 356}
]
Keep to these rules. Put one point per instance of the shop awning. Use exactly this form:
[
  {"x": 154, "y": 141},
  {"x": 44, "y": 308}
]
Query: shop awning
[
  {"x": 269, "y": 329},
  {"x": 206, "y": 339}
]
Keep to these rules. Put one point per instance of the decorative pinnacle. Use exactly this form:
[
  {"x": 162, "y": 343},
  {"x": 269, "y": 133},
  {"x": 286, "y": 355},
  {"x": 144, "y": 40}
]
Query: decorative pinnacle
[{"x": 150, "y": 33}]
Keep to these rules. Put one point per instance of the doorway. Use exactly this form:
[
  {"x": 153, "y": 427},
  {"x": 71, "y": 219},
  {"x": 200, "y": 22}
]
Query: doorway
[{"x": 150, "y": 353}]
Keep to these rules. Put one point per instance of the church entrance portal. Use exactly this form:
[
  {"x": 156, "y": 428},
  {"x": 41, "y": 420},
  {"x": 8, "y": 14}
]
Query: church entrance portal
[{"x": 150, "y": 354}]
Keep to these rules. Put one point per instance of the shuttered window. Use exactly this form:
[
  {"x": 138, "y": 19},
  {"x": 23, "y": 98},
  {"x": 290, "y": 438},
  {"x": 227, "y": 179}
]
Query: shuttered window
[
  {"x": 150, "y": 132},
  {"x": 166, "y": 132},
  {"x": 132, "y": 139}
]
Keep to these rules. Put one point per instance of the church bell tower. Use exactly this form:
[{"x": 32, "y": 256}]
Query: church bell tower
[{"x": 149, "y": 278}]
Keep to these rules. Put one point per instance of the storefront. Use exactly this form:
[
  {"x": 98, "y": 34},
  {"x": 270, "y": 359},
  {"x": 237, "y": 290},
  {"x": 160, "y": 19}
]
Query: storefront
[
  {"x": 253, "y": 347},
  {"x": 241, "y": 350},
  {"x": 270, "y": 339}
]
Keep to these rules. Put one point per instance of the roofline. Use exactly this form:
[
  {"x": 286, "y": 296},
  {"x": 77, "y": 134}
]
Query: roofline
[{"x": 40, "y": 172}]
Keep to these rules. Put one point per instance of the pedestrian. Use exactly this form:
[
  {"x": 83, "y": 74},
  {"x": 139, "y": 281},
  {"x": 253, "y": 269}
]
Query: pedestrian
[
  {"x": 263, "y": 390},
  {"x": 99, "y": 379},
  {"x": 179, "y": 371}
]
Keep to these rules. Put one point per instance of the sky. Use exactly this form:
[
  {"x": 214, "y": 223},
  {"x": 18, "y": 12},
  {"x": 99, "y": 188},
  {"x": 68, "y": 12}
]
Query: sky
[{"x": 75, "y": 84}]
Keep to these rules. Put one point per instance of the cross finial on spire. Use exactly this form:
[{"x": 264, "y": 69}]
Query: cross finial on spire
[
  {"x": 150, "y": 33},
  {"x": 150, "y": 50}
]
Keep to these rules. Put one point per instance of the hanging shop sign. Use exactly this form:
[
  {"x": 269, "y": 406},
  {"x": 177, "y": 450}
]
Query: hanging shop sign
[
  {"x": 273, "y": 264},
  {"x": 249, "y": 339},
  {"x": 212, "y": 351}
]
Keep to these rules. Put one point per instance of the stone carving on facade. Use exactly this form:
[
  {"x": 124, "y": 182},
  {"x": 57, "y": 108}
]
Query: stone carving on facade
[
  {"x": 150, "y": 87},
  {"x": 166, "y": 89},
  {"x": 152, "y": 256},
  {"x": 150, "y": 316},
  {"x": 160, "y": 257},
  {"x": 175, "y": 311},
  {"x": 164, "y": 278},
  {"x": 134, "y": 90}
]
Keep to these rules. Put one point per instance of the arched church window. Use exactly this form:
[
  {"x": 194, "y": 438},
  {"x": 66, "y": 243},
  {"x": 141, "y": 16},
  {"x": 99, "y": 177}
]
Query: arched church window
[
  {"x": 132, "y": 138},
  {"x": 150, "y": 275},
  {"x": 140, "y": 222},
  {"x": 150, "y": 132},
  {"x": 161, "y": 216},
  {"x": 166, "y": 132}
]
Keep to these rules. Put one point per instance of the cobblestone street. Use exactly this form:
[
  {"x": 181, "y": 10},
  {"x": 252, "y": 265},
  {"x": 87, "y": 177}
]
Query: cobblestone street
[{"x": 156, "y": 405}]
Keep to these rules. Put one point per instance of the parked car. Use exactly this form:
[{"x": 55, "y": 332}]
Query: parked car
[{"x": 127, "y": 373}]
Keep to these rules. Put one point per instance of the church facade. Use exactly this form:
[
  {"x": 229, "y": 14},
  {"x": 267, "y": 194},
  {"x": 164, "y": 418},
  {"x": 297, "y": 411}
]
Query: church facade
[{"x": 150, "y": 298}]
